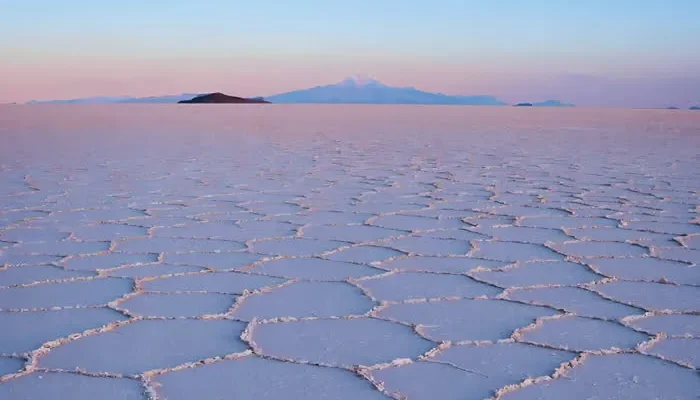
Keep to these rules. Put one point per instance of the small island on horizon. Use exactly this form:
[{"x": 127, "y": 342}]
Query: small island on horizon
[
  {"x": 546, "y": 103},
  {"x": 220, "y": 98}
]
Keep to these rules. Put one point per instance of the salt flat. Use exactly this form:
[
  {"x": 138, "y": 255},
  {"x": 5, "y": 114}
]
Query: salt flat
[{"x": 348, "y": 252}]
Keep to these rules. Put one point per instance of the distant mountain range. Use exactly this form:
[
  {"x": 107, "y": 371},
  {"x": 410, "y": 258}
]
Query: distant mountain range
[
  {"x": 358, "y": 90},
  {"x": 174, "y": 98},
  {"x": 551, "y": 103},
  {"x": 353, "y": 90}
]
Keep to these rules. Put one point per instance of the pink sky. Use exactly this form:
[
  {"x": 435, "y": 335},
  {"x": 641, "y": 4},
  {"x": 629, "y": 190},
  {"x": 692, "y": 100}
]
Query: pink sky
[
  {"x": 593, "y": 52},
  {"x": 83, "y": 76}
]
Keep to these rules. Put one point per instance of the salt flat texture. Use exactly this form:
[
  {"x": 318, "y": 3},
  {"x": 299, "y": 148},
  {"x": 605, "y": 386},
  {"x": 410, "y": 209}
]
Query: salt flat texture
[{"x": 348, "y": 252}]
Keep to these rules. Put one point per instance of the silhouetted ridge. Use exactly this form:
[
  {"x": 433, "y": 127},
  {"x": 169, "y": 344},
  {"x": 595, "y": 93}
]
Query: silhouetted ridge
[{"x": 220, "y": 98}]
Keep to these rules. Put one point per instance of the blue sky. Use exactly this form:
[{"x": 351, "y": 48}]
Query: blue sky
[{"x": 76, "y": 48}]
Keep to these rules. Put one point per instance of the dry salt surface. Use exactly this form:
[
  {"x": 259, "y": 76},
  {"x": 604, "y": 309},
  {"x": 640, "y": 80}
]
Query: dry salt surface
[{"x": 348, "y": 252}]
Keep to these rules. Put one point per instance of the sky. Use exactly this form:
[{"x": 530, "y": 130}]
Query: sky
[{"x": 619, "y": 53}]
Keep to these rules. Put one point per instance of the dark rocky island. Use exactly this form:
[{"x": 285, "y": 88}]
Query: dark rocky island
[
  {"x": 522, "y": 105},
  {"x": 694, "y": 108},
  {"x": 220, "y": 98},
  {"x": 672, "y": 108}
]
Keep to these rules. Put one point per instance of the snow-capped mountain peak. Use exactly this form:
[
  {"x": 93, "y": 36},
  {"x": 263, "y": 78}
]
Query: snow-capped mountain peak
[{"x": 360, "y": 81}]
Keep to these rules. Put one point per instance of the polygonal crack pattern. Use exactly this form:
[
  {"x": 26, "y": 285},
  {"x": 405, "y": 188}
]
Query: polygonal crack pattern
[
  {"x": 343, "y": 268},
  {"x": 147, "y": 345},
  {"x": 63, "y": 385}
]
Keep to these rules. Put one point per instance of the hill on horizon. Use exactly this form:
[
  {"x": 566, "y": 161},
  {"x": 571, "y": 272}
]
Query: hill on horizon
[{"x": 220, "y": 98}]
